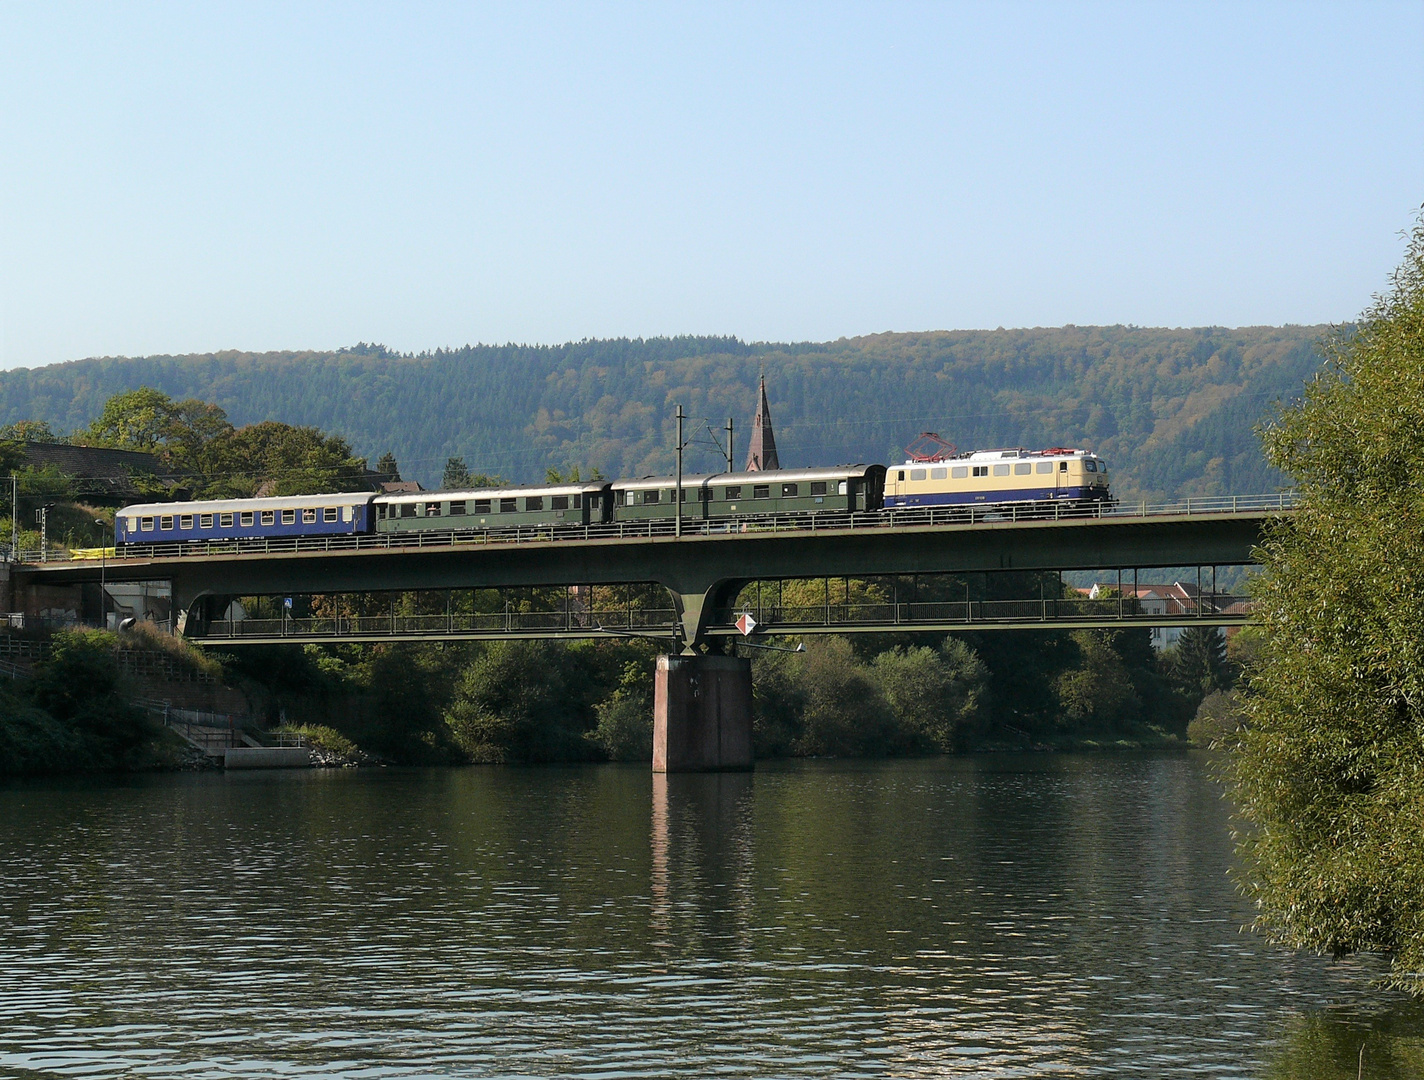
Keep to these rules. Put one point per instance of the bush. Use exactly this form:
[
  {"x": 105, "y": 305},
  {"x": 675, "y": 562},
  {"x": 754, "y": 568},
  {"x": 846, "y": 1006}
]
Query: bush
[
  {"x": 79, "y": 685},
  {"x": 624, "y": 731},
  {"x": 935, "y": 693},
  {"x": 1218, "y": 718},
  {"x": 512, "y": 704},
  {"x": 32, "y": 741}
]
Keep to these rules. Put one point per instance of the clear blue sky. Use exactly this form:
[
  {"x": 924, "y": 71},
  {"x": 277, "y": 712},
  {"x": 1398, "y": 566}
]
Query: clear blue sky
[{"x": 193, "y": 177}]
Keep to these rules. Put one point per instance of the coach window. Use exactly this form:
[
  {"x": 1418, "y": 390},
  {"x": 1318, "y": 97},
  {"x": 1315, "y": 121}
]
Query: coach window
[
  {"x": 843, "y": 487},
  {"x": 185, "y": 521},
  {"x": 205, "y": 521},
  {"x": 558, "y": 502},
  {"x": 457, "y": 508},
  {"x": 380, "y": 511},
  {"x": 651, "y": 496},
  {"x": 761, "y": 491},
  {"x": 534, "y": 502},
  {"x": 406, "y": 510},
  {"x": 146, "y": 524},
  {"x": 981, "y": 470},
  {"x": 309, "y": 515},
  {"x": 959, "y": 472},
  {"x": 165, "y": 523},
  {"x": 508, "y": 506},
  {"x": 818, "y": 487},
  {"x": 917, "y": 474},
  {"x": 269, "y": 517},
  {"x": 1045, "y": 466},
  {"x": 289, "y": 517},
  {"x": 245, "y": 519},
  {"x": 1023, "y": 468},
  {"x": 578, "y": 501},
  {"x": 939, "y": 474},
  {"x": 734, "y": 492},
  {"x": 1001, "y": 470},
  {"x": 328, "y": 513},
  {"x": 789, "y": 491},
  {"x": 482, "y": 506},
  {"x": 432, "y": 509}
]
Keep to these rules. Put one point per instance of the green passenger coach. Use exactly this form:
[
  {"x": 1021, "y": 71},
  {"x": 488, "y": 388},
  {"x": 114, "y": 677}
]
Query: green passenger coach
[
  {"x": 494, "y": 508},
  {"x": 845, "y": 489}
]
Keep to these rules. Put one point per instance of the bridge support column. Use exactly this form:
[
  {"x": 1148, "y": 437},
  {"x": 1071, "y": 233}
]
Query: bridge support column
[{"x": 702, "y": 714}]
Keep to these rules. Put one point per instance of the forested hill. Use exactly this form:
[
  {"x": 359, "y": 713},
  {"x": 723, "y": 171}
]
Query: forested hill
[{"x": 1171, "y": 410}]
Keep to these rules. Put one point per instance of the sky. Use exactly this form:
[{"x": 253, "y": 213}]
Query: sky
[{"x": 195, "y": 177}]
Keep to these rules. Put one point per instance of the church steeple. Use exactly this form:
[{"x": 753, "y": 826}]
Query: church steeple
[{"x": 761, "y": 454}]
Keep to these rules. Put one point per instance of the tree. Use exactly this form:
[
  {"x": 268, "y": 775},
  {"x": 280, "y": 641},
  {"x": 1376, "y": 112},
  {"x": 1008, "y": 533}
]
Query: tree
[
  {"x": 1327, "y": 774},
  {"x": 1197, "y": 662},
  {"x": 388, "y": 468},
  {"x": 134, "y": 420},
  {"x": 456, "y": 476}
]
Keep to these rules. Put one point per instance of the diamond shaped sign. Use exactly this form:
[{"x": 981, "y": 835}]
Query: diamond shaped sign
[{"x": 745, "y": 623}]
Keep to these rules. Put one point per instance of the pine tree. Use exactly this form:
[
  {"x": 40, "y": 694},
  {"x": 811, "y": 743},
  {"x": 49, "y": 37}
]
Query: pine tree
[
  {"x": 387, "y": 466},
  {"x": 456, "y": 474}
]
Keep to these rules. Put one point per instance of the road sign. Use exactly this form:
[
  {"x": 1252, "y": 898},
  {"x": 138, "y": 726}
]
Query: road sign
[
  {"x": 287, "y": 603},
  {"x": 746, "y": 624}
]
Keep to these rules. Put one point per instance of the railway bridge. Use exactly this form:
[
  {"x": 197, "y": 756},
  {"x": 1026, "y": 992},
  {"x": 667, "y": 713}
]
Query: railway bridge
[{"x": 703, "y": 571}]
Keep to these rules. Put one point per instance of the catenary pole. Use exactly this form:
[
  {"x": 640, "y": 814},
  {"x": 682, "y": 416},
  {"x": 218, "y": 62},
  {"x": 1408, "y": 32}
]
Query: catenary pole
[{"x": 677, "y": 495}]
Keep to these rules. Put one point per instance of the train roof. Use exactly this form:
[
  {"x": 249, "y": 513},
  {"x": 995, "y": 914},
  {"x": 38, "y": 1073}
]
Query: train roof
[
  {"x": 1006, "y": 453},
  {"x": 494, "y": 493},
  {"x": 224, "y": 506},
  {"x": 763, "y": 476}
]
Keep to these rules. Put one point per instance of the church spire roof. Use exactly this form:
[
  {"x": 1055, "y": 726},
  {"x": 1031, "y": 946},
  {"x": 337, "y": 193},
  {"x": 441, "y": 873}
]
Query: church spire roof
[{"x": 761, "y": 453}]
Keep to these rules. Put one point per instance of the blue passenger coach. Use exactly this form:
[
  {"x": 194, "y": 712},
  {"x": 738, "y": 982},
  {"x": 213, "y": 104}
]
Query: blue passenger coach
[{"x": 244, "y": 519}]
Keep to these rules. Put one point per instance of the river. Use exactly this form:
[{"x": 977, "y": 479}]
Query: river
[{"x": 988, "y": 916}]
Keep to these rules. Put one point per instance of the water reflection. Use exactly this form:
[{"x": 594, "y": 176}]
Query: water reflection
[{"x": 987, "y": 917}]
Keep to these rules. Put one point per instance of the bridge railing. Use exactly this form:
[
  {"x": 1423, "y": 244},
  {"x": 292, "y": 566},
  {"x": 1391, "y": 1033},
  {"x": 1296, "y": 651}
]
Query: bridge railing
[
  {"x": 1047, "y": 610},
  {"x": 355, "y": 626},
  {"x": 899, "y": 517}
]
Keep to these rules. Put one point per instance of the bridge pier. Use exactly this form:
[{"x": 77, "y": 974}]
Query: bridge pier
[{"x": 702, "y": 714}]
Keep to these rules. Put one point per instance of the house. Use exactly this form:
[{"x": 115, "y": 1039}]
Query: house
[{"x": 1175, "y": 600}]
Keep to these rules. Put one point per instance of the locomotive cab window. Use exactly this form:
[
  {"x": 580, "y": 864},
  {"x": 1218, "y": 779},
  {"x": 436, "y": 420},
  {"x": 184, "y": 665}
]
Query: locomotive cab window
[
  {"x": 289, "y": 517},
  {"x": 900, "y": 474},
  {"x": 981, "y": 470},
  {"x": 1063, "y": 466},
  {"x": 818, "y": 487},
  {"x": 269, "y": 517},
  {"x": 959, "y": 472},
  {"x": 761, "y": 491},
  {"x": 789, "y": 491},
  {"x": 1090, "y": 465}
]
